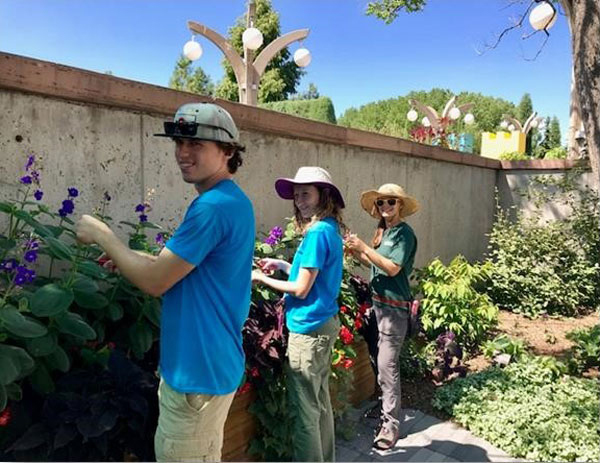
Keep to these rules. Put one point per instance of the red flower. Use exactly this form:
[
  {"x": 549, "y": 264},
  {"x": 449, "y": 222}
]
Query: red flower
[
  {"x": 358, "y": 323},
  {"x": 348, "y": 363},
  {"x": 5, "y": 417},
  {"x": 111, "y": 345},
  {"x": 363, "y": 308},
  {"x": 254, "y": 372},
  {"x": 344, "y": 309},
  {"x": 244, "y": 388},
  {"x": 346, "y": 336}
]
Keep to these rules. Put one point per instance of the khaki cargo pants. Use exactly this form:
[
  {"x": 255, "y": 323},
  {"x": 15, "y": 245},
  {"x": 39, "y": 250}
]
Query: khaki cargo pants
[
  {"x": 309, "y": 358},
  {"x": 190, "y": 426}
]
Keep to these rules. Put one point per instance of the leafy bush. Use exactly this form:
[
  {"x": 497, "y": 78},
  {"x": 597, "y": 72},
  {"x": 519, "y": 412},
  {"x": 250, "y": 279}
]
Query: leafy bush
[
  {"x": 586, "y": 351},
  {"x": 514, "y": 156},
  {"x": 319, "y": 109},
  {"x": 558, "y": 152},
  {"x": 452, "y": 302},
  {"x": 503, "y": 344},
  {"x": 528, "y": 409},
  {"x": 548, "y": 267}
]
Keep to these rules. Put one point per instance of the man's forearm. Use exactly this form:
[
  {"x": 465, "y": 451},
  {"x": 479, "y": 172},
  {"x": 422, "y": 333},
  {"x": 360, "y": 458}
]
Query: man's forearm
[{"x": 136, "y": 266}]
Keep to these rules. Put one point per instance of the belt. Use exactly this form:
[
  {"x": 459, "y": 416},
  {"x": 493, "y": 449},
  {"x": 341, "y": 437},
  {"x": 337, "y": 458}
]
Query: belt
[{"x": 392, "y": 302}]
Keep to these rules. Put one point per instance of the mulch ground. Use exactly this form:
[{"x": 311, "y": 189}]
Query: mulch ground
[{"x": 543, "y": 336}]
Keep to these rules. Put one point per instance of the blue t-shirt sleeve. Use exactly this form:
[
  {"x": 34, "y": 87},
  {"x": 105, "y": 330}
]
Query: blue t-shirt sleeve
[
  {"x": 197, "y": 235},
  {"x": 314, "y": 249}
]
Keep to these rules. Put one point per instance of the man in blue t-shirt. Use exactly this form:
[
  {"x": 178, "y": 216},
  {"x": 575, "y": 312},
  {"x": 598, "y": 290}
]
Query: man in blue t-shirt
[{"x": 203, "y": 274}]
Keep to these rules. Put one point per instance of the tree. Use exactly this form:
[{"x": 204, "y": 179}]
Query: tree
[
  {"x": 584, "y": 23},
  {"x": 553, "y": 134},
  {"x": 281, "y": 74},
  {"x": 524, "y": 110},
  {"x": 188, "y": 80}
]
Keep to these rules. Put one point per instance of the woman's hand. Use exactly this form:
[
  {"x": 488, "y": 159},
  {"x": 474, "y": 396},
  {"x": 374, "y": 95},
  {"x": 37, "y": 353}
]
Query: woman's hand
[
  {"x": 354, "y": 243},
  {"x": 268, "y": 265},
  {"x": 257, "y": 276}
]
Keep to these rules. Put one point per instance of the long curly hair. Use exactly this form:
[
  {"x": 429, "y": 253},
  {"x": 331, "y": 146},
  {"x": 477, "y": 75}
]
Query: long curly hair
[{"x": 327, "y": 207}]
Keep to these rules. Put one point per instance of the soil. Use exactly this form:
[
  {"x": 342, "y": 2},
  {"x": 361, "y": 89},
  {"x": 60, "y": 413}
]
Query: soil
[{"x": 543, "y": 336}]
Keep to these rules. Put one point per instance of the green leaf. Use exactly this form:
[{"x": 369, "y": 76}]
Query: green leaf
[
  {"x": 92, "y": 269},
  {"x": 114, "y": 311},
  {"x": 129, "y": 224},
  {"x": 15, "y": 363},
  {"x": 51, "y": 300},
  {"x": 58, "y": 249},
  {"x": 151, "y": 310},
  {"x": 14, "y": 392},
  {"x": 149, "y": 225},
  {"x": 41, "y": 380},
  {"x": 20, "y": 325},
  {"x": 93, "y": 301},
  {"x": 7, "y": 244},
  {"x": 3, "y": 397},
  {"x": 140, "y": 336},
  {"x": 72, "y": 323},
  {"x": 7, "y": 207},
  {"x": 26, "y": 217},
  {"x": 43, "y": 345},
  {"x": 58, "y": 360},
  {"x": 84, "y": 284}
]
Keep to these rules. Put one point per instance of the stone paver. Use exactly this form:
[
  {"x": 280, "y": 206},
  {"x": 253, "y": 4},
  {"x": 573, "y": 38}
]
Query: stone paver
[{"x": 427, "y": 439}]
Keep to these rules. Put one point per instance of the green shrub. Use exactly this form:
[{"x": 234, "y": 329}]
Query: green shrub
[
  {"x": 504, "y": 344},
  {"x": 548, "y": 267},
  {"x": 452, "y": 302},
  {"x": 514, "y": 156},
  {"x": 528, "y": 409},
  {"x": 586, "y": 351},
  {"x": 319, "y": 109},
  {"x": 558, "y": 152}
]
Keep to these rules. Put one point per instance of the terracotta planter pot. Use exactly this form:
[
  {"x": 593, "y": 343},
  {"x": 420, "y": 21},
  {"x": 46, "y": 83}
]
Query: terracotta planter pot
[{"x": 240, "y": 426}]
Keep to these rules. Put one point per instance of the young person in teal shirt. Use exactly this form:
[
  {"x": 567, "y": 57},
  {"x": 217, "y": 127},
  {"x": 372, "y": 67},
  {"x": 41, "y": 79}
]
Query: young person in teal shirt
[
  {"x": 203, "y": 274},
  {"x": 391, "y": 258},
  {"x": 312, "y": 290}
]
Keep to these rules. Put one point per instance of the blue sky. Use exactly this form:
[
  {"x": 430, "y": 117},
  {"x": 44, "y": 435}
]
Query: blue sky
[{"x": 357, "y": 59}]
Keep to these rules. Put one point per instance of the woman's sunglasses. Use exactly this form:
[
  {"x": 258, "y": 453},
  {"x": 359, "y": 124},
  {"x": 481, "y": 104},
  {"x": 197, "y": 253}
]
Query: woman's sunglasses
[{"x": 381, "y": 202}]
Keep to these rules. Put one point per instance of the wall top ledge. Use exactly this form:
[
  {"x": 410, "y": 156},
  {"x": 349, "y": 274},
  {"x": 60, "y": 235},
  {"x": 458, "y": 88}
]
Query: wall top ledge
[{"x": 52, "y": 80}]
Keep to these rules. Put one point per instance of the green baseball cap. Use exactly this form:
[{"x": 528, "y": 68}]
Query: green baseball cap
[{"x": 203, "y": 121}]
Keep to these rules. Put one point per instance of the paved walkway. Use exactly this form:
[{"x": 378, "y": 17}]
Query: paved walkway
[{"x": 427, "y": 439}]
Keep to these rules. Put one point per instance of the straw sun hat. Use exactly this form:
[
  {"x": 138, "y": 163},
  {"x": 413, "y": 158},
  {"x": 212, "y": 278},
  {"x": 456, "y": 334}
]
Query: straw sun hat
[
  {"x": 308, "y": 176},
  {"x": 389, "y": 190}
]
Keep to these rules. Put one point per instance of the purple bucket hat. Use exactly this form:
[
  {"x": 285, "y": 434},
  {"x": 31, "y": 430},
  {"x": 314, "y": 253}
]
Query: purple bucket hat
[{"x": 308, "y": 176}]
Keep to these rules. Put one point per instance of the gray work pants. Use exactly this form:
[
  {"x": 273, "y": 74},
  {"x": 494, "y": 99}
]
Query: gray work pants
[{"x": 392, "y": 324}]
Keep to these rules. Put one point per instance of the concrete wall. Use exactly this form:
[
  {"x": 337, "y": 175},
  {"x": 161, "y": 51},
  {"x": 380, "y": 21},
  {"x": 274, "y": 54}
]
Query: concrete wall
[{"x": 94, "y": 132}]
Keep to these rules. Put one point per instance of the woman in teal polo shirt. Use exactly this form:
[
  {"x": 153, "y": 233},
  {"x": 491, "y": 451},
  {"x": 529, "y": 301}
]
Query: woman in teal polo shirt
[
  {"x": 391, "y": 257},
  {"x": 312, "y": 289}
]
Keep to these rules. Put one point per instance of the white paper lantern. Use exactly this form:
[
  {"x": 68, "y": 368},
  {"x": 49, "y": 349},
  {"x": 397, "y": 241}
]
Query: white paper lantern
[
  {"x": 469, "y": 119},
  {"x": 542, "y": 16},
  {"x": 535, "y": 123},
  {"x": 412, "y": 115},
  {"x": 425, "y": 121},
  {"x": 252, "y": 38},
  {"x": 511, "y": 127},
  {"x": 503, "y": 124},
  {"x": 302, "y": 57},
  {"x": 454, "y": 113},
  {"x": 192, "y": 50}
]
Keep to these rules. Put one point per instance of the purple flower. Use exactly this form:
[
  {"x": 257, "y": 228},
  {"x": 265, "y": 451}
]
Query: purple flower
[
  {"x": 35, "y": 176},
  {"x": 38, "y": 195},
  {"x": 8, "y": 265},
  {"x": 160, "y": 238},
  {"x": 140, "y": 208},
  {"x": 26, "y": 180},
  {"x": 276, "y": 232},
  {"x": 143, "y": 218},
  {"x": 31, "y": 244},
  {"x": 31, "y": 256},
  {"x": 68, "y": 206},
  {"x": 30, "y": 161},
  {"x": 62, "y": 213},
  {"x": 107, "y": 196},
  {"x": 271, "y": 241},
  {"x": 20, "y": 279},
  {"x": 73, "y": 193},
  {"x": 24, "y": 275}
]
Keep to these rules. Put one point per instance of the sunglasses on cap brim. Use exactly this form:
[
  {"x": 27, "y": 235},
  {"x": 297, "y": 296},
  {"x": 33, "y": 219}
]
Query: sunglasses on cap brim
[
  {"x": 390, "y": 201},
  {"x": 189, "y": 129}
]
